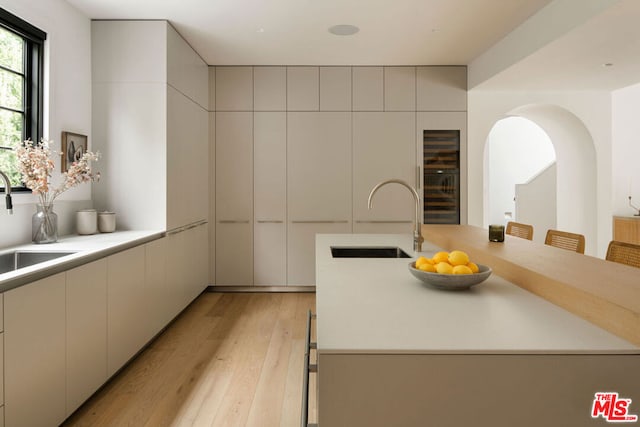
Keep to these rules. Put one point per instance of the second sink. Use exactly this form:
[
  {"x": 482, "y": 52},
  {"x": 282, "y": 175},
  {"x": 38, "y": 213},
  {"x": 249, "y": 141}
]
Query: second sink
[
  {"x": 368, "y": 252},
  {"x": 19, "y": 259}
]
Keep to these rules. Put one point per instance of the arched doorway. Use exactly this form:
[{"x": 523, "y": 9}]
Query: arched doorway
[
  {"x": 521, "y": 175},
  {"x": 576, "y": 209}
]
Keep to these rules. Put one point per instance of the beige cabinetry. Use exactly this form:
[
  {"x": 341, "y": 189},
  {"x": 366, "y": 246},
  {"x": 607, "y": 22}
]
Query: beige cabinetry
[
  {"x": 270, "y": 88},
  {"x": 441, "y": 88},
  {"x": 626, "y": 229},
  {"x": 149, "y": 104},
  {"x": 234, "y": 198},
  {"x": 86, "y": 332},
  {"x": 318, "y": 194},
  {"x": 156, "y": 283},
  {"x": 34, "y": 353},
  {"x": 368, "y": 88},
  {"x": 383, "y": 148},
  {"x": 270, "y": 198},
  {"x": 303, "y": 89},
  {"x": 400, "y": 89},
  {"x": 127, "y": 330},
  {"x": 335, "y": 88},
  {"x": 234, "y": 88}
]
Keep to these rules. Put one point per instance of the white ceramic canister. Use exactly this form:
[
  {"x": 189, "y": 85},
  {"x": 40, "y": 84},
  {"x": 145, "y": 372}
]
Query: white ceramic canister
[
  {"x": 107, "y": 222},
  {"x": 87, "y": 221}
]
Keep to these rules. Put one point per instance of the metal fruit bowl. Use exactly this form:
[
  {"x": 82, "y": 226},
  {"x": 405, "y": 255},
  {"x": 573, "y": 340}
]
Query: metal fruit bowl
[{"x": 451, "y": 282}]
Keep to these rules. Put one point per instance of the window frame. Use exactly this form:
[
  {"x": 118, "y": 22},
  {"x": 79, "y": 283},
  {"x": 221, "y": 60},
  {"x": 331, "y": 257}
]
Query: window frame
[{"x": 33, "y": 68}]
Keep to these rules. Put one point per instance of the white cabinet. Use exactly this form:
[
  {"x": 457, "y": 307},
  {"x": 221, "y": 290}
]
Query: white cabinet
[
  {"x": 34, "y": 353},
  {"x": 234, "y": 198},
  {"x": 187, "y": 160},
  {"x": 234, "y": 88},
  {"x": 149, "y": 105},
  {"x": 86, "y": 330},
  {"x": 270, "y": 88},
  {"x": 156, "y": 263},
  {"x": 335, "y": 88},
  {"x": 212, "y": 198},
  {"x": 270, "y": 198},
  {"x": 383, "y": 148},
  {"x": 303, "y": 93},
  {"x": 368, "y": 88},
  {"x": 127, "y": 325},
  {"x": 319, "y": 194},
  {"x": 400, "y": 89},
  {"x": 441, "y": 88},
  {"x": 319, "y": 166},
  {"x": 197, "y": 272}
]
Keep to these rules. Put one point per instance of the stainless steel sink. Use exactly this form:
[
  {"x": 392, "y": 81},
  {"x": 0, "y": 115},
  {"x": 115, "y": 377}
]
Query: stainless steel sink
[
  {"x": 10, "y": 261},
  {"x": 368, "y": 252}
]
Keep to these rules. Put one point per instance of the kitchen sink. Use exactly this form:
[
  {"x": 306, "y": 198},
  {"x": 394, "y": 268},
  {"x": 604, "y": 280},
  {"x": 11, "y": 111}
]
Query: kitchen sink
[
  {"x": 19, "y": 259},
  {"x": 368, "y": 252}
]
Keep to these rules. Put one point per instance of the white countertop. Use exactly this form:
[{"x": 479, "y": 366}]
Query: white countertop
[
  {"x": 377, "y": 306},
  {"x": 86, "y": 248}
]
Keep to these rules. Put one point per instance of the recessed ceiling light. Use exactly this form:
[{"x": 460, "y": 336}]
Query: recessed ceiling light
[
  {"x": 344, "y": 30},
  {"x": 608, "y": 64}
]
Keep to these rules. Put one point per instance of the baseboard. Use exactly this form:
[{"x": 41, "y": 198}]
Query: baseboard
[{"x": 215, "y": 288}]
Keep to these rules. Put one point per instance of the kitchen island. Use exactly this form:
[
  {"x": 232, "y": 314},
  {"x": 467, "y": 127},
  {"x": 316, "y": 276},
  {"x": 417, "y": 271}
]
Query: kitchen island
[{"x": 394, "y": 351}]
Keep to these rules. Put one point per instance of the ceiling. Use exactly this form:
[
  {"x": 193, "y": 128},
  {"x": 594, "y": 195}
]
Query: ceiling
[
  {"x": 295, "y": 32},
  {"x": 400, "y": 32}
]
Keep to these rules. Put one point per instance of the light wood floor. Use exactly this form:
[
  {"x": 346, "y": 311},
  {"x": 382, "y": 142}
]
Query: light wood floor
[{"x": 228, "y": 360}]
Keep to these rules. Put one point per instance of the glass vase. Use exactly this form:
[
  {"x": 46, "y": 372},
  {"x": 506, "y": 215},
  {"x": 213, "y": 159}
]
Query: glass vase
[{"x": 44, "y": 225}]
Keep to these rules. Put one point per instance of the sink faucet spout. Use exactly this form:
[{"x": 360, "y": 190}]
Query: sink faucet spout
[
  {"x": 7, "y": 189},
  {"x": 417, "y": 231}
]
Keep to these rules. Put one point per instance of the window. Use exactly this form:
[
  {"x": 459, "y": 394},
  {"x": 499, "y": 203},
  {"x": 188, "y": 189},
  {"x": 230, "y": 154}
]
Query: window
[{"x": 21, "y": 62}]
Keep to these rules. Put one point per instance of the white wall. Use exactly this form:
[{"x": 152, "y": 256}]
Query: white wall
[
  {"x": 593, "y": 109},
  {"x": 536, "y": 202},
  {"x": 67, "y": 103},
  {"x": 626, "y": 150},
  {"x": 518, "y": 150}
]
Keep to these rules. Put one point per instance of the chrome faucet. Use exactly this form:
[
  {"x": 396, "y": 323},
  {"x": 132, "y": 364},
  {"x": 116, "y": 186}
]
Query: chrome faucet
[
  {"x": 7, "y": 189},
  {"x": 417, "y": 232}
]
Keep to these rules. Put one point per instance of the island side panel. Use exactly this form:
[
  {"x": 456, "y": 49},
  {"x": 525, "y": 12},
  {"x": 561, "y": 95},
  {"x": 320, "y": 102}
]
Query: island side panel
[{"x": 527, "y": 390}]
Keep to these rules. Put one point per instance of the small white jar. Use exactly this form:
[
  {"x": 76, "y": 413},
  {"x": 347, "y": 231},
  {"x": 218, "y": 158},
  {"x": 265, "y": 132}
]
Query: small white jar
[
  {"x": 107, "y": 222},
  {"x": 87, "y": 221}
]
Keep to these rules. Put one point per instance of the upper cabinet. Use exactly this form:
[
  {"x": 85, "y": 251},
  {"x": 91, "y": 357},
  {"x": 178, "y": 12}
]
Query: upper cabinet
[
  {"x": 150, "y": 113},
  {"x": 234, "y": 88},
  {"x": 303, "y": 89},
  {"x": 270, "y": 88},
  {"x": 368, "y": 88},
  {"x": 400, "y": 89},
  {"x": 335, "y": 88},
  {"x": 441, "y": 88}
]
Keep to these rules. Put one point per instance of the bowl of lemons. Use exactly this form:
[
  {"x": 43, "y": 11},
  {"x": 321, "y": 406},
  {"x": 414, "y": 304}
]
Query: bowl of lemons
[{"x": 449, "y": 270}]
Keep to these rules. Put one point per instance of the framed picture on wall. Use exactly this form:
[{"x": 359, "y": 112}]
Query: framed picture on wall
[{"x": 72, "y": 146}]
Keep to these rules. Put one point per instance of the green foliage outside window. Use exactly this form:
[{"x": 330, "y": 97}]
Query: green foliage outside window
[{"x": 11, "y": 102}]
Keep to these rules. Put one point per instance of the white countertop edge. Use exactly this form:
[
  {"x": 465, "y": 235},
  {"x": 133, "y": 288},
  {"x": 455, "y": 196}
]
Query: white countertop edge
[
  {"x": 87, "y": 249},
  {"x": 514, "y": 352}
]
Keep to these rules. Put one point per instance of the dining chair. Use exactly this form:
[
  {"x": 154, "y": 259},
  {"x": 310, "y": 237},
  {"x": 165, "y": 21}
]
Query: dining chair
[
  {"x": 524, "y": 231},
  {"x": 624, "y": 253},
  {"x": 564, "y": 240}
]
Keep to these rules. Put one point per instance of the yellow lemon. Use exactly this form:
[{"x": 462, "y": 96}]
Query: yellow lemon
[
  {"x": 440, "y": 257},
  {"x": 444, "y": 268},
  {"x": 462, "y": 269},
  {"x": 458, "y": 258},
  {"x": 473, "y": 266},
  {"x": 422, "y": 260},
  {"x": 425, "y": 266}
]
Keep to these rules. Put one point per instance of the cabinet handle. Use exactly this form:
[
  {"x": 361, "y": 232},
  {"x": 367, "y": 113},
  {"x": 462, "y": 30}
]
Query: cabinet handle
[
  {"x": 308, "y": 369},
  {"x": 321, "y": 222},
  {"x": 269, "y": 221},
  {"x": 384, "y": 222},
  {"x": 232, "y": 221}
]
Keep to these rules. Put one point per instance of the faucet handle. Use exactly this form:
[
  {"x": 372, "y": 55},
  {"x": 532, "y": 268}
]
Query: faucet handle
[{"x": 9, "y": 204}]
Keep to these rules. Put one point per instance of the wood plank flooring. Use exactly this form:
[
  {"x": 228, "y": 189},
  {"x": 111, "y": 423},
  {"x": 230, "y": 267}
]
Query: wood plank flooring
[{"x": 230, "y": 359}]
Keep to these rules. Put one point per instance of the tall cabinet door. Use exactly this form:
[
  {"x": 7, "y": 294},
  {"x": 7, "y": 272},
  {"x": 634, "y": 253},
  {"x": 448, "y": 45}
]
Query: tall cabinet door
[
  {"x": 234, "y": 198},
  {"x": 383, "y": 148},
  {"x": 318, "y": 186},
  {"x": 270, "y": 198}
]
